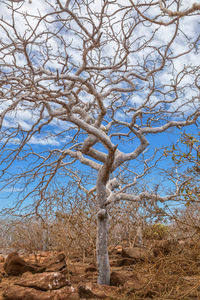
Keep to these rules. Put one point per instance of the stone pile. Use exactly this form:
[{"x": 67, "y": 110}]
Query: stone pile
[{"x": 46, "y": 281}]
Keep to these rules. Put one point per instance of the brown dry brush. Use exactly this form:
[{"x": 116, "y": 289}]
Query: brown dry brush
[
  {"x": 70, "y": 230},
  {"x": 172, "y": 276}
]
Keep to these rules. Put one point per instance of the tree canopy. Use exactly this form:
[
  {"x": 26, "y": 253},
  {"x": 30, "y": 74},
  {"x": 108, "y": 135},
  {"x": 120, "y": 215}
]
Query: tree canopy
[{"x": 93, "y": 81}]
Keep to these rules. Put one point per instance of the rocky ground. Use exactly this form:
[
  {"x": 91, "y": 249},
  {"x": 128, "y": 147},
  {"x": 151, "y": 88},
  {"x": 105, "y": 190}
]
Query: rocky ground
[{"x": 166, "y": 270}]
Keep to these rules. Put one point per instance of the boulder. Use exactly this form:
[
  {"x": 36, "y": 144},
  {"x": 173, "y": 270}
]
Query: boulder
[
  {"x": 15, "y": 265},
  {"x": 117, "y": 279},
  {"x": 18, "y": 293},
  {"x": 15, "y": 292},
  {"x": 55, "y": 263},
  {"x": 123, "y": 262},
  {"x": 44, "y": 286},
  {"x": 135, "y": 252},
  {"x": 93, "y": 290},
  {"x": 87, "y": 292},
  {"x": 43, "y": 281}
]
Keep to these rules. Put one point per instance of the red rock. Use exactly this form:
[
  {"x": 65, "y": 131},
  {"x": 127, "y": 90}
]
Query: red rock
[
  {"x": 54, "y": 263},
  {"x": 117, "y": 279},
  {"x": 135, "y": 252},
  {"x": 43, "y": 281},
  {"x": 15, "y": 292},
  {"x": 102, "y": 291},
  {"x": 15, "y": 265},
  {"x": 87, "y": 292}
]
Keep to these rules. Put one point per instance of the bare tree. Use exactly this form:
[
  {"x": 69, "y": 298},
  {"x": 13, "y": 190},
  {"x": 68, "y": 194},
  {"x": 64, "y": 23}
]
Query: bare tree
[{"x": 90, "y": 82}]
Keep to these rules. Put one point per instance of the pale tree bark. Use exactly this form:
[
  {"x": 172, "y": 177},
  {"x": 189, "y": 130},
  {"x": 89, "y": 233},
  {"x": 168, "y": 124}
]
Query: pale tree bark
[
  {"x": 103, "y": 220},
  {"x": 102, "y": 247},
  {"x": 91, "y": 82}
]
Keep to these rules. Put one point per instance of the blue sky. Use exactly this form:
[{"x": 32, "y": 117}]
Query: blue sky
[
  {"x": 142, "y": 60},
  {"x": 158, "y": 141}
]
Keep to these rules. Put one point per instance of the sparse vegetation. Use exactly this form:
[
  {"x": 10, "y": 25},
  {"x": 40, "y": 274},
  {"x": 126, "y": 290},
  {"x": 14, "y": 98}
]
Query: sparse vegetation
[{"x": 171, "y": 274}]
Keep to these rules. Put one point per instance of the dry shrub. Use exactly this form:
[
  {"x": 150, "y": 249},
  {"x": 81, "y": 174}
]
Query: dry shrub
[
  {"x": 3, "y": 234},
  {"x": 172, "y": 276},
  {"x": 74, "y": 233},
  {"x": 27, "y": 234},
  {"x": 156, "y": 231}
]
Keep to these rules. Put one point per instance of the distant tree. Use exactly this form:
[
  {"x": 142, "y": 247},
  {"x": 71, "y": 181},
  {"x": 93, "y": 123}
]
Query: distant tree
[{"x": 91, "y": 82}]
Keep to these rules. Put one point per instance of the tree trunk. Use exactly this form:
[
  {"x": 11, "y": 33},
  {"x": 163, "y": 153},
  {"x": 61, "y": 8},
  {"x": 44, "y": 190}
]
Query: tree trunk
[
  {"x": 102, "y": 247},
  {"x": 103, "y": 264},
  {"x": 139, "y": 236}
]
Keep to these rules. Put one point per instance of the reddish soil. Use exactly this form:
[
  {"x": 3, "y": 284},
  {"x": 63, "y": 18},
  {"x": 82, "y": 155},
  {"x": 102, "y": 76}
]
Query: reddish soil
[{"x": 175, "y": 275}]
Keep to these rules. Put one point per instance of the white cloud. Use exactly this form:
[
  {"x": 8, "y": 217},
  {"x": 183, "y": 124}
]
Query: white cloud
[
  {"x": 53, "y": 141},
  {"x": 22, "y": 117},
  {"x": 43, "y": 141},
  {"x": 11, "y": 123},
  {"x": 161, "y": 38}
]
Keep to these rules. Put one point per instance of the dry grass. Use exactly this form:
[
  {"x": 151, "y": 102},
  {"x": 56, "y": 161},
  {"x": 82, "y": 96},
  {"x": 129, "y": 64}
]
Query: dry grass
[{"x": 174, "y": 276}]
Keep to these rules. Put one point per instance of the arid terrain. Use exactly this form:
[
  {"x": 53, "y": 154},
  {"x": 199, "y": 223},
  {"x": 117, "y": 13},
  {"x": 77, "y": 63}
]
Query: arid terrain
[{"x": 159, "y": 270}]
